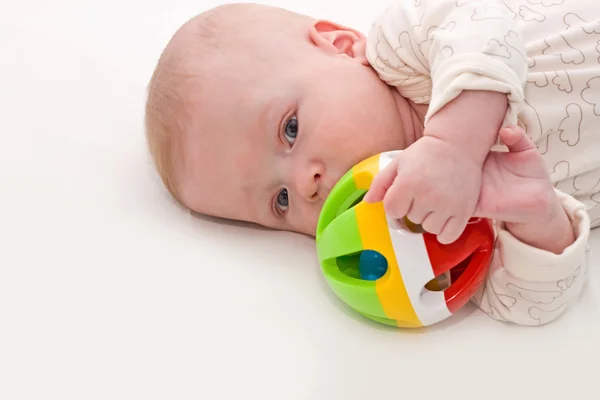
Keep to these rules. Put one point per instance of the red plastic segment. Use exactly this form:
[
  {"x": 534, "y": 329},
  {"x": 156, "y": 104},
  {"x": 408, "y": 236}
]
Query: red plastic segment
[{"x": 475, "y": 247}]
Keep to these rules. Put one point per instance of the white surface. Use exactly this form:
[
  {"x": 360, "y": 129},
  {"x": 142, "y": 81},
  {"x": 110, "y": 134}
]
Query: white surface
[{"x": 110, "y": 291}]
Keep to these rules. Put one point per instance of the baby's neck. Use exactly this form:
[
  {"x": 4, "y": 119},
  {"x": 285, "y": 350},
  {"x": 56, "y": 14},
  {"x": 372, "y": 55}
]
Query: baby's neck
[{"x": 412, "y": 116}]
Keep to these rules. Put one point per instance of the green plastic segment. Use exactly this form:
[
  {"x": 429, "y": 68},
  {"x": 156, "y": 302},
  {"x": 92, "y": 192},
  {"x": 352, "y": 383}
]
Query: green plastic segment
[
  {"x": 382, "y": 320},
  {"x": 341, "y": 191},
  {"x": 339, "y": 246},
  {"x": 358, "y": 294},
  {"x": 340, "y": 238}
]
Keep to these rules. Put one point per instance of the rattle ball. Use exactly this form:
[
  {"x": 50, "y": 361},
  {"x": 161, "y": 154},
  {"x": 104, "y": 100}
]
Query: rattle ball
[{"x": 390, "y": 270}]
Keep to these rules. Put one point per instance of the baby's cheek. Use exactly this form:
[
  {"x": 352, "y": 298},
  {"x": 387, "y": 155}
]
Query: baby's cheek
[{"x": 308, "y": 221}]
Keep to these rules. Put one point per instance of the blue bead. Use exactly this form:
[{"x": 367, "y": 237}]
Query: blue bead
[{"x": 372, "y": 265}]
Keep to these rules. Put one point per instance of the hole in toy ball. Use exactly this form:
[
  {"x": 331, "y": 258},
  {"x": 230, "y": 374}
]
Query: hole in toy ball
[
  {"x": 372, "y": 265},
  {"x": 365, "y": 265},
  {"x": 443, "y": 281},
  {"x": 351, "y": 201},
  {"x": 439, "y": 283},
  {"x": 358, "y": 200},
  {"x": 407, "y": 225},
  {"x": 411, "y": 226}
]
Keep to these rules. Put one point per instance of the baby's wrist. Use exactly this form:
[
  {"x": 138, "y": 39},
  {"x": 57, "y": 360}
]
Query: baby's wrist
[
  {"x": 471, "y": 122},
  {"x": 551, "y": 232},
  {"x": 458, "y": 144}
]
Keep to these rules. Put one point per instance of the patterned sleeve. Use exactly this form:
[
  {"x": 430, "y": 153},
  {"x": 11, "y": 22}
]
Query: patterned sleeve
[
  {"x": 529, "y": 286},
  {"x": 432, "y": 50}
]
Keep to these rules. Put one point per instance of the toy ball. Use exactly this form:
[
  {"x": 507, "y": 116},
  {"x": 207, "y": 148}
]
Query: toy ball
[{"x": 390, "y": 270}]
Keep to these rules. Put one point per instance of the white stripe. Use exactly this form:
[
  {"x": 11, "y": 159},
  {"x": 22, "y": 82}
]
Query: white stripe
[
  {"x": 415, "y": 267},
  {"x": 386, "y": 158}
]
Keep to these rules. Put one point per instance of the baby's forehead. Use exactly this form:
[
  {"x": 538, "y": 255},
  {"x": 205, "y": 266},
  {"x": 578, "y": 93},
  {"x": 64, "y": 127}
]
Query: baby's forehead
[
  {"x": 223, "y": 166},
  {"x": 231, "y": 59},
  {"x": 239, "y": 28}
]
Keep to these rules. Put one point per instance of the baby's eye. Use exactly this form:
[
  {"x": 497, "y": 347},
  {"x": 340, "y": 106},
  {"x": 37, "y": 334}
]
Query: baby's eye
[
  {"x": 283, "y": 200},
  {"x": 291, "y": 130}
]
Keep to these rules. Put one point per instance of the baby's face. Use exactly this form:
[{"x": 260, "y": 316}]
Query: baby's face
[{"x": 268, "y": 137}]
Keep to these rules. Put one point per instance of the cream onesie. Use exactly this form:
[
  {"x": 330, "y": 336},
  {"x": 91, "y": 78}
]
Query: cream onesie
[{"x": 545, "y": 55}]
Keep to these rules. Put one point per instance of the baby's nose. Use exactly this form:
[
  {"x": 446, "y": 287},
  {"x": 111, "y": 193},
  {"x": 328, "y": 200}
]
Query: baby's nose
[{"x": 309, "y": 182}]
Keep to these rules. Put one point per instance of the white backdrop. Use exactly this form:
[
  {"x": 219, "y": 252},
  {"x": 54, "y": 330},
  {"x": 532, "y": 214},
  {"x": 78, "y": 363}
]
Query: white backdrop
[{"x": 108, "y": 290}]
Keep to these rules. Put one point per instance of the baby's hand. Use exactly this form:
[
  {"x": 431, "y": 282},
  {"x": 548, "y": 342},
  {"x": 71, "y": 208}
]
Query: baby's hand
[
  {"x": 516, "y": 187},
  {"x": 432, "y": 183}
]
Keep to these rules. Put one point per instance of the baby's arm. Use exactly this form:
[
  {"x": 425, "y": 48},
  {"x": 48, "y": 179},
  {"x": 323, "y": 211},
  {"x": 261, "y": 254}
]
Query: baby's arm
[
  {"x": 540, "y": 261},
  {"x": 463, "y": 58},
  {"x": 527, "y": 285}
]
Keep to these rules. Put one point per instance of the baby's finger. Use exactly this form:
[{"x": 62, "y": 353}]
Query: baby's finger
[
  {"x": 396, "y": 202},
  {"x": 515, "y": 138},
  {"x": 382, "y": 183},
  {"x": 452, "y": 230},
  {"x": 434, "y": 223},
  {"x": 417, "y": 213}
]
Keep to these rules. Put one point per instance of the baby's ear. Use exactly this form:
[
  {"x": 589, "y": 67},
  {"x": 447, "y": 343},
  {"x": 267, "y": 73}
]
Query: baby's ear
[{"x": 338, "y": 39}]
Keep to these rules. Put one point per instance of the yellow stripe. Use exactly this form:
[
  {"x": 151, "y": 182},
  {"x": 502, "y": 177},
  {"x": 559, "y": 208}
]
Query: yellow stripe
[
  {"x": 364, "y": 172},
  {"x": 374, "y": 234}
]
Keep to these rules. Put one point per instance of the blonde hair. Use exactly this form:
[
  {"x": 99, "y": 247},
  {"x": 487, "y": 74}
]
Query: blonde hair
[
  {"x": 178, "y": 63},
  {"x": 160, "y": 126}
]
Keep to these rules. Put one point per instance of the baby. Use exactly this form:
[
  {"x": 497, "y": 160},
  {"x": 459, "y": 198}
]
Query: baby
[{"x": 255, "y": 112}]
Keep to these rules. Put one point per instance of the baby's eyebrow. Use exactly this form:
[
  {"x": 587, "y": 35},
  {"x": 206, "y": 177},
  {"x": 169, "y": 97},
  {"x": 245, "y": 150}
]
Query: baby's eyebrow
[
  {"x": 265, "y": 117},
  {"x": 270, "y": 117},
  {"x": 257, "y": 194},
  {"x": 262, "y": 189}
]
